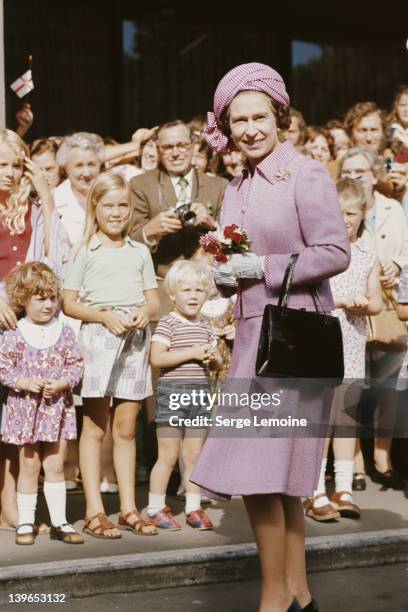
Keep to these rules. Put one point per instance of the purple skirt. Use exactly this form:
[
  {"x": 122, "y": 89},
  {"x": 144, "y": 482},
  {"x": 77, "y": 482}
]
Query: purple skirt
[{"x": 238, "y": 465}]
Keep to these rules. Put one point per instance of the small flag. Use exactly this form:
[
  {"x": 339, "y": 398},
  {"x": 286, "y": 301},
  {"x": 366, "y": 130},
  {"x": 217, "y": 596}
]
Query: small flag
[{"x": 23, "y": 85}]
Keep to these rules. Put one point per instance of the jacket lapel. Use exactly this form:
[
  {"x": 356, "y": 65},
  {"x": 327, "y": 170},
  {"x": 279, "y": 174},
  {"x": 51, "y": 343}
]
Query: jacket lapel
[
  {"x": 382, "y": 211},
  {"x": 167, "y": 195}
]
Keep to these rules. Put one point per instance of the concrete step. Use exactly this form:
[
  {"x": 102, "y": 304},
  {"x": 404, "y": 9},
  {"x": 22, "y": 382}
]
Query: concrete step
[{"x": 173, "y": 568}]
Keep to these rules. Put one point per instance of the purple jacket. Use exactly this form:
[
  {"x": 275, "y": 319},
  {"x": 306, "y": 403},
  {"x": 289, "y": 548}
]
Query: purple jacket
[{"x": 289, "y": 205}]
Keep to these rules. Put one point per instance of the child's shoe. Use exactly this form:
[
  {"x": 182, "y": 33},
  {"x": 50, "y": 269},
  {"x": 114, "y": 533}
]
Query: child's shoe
[
  {"x": 68, "y": 536},
  {"x": 27, "y": 537},
  {"x": 344, "y": 503},
  {"x": 164, "y": 519},
  {"x": 197, "y": 519}
]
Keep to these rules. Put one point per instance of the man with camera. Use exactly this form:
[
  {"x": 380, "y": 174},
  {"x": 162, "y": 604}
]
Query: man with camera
[{"x": 174, "y": 205}]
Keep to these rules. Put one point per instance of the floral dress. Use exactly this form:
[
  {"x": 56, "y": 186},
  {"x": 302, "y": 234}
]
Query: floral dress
[
  {"x": 31, "y": 418},
  {"x": 353, "y": 281}
]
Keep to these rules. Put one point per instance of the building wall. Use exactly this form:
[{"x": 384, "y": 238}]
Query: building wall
[
  {"x": 111, "y": 66},
  {"x": 73, "y": 48}
]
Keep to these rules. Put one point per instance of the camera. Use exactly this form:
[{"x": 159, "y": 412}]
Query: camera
[
  {"x": 185, "y": 214},
  {"x": 388, "y": 164}
]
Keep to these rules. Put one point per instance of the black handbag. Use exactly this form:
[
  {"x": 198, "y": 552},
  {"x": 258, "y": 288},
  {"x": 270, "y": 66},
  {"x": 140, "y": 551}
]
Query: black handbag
[{"x": 299, "y": 343}]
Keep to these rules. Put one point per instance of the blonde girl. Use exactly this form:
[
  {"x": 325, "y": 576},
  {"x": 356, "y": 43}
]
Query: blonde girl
[
  {"x": 116, "y": 278},
  {"x": 356, "y": 293},
  {"x": 40, "y": 364}
]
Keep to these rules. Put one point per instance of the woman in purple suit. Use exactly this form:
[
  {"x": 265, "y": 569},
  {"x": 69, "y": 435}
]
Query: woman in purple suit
[{"x": 288, "y": 204}]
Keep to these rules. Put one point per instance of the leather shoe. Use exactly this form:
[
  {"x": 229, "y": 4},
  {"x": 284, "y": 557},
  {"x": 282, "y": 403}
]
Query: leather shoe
[
  {"x": 26, "y": 538},
  {"x": 320, "y": 513},
  {"x": 311, "y": 607},
  {"x": 359, "y": 482},
  {"x": 344, "y": 503},
  {"x": 68, "y": 537},
  {"x": 389, "y": 479}
]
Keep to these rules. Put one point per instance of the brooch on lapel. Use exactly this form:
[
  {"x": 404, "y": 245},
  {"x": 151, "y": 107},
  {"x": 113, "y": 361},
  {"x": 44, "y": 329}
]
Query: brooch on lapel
[{"x": 282, "y": 175}]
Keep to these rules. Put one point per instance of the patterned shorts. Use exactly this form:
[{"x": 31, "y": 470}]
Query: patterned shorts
[{"x": 115, "y": 366}]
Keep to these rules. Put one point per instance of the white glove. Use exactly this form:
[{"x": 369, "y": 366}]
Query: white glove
[
  {"x": 224, "y": 274},
  {"x": 247, "y": 265}
]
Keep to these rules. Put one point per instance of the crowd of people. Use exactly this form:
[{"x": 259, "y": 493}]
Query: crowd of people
[{"x": 111, "y": 231}]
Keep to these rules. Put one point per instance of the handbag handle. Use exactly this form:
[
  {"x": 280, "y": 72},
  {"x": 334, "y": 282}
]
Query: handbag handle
[{"x": 287, "y": 282}]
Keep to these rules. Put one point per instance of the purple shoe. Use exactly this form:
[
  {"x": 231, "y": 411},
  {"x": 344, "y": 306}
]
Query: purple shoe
[{"x": 164, "y": 519}]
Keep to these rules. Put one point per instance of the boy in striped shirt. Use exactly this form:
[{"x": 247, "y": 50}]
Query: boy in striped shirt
[{"x": 184, "y": 348}]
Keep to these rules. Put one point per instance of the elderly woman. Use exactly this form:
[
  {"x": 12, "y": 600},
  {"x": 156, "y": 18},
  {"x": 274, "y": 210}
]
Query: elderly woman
[
  {"x": 386, "y": 222},
  {"x": 29, "y": 231},
  {"x": 81, "y": 155},
  {"x": 288, "y": 204}
]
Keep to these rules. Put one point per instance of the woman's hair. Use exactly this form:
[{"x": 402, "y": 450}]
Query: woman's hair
[
  {"x": 84, "y": 141},
  {"x": 401, "y": 91},
  {"x": 15, "y": 209},
  {"x": 281, "y": 112},
  {"x": 187, "y": 270},
  {"x": 29, "y": 279},
  {"x": 353, "y": 192},
  {"x": 374, "y": 160},
  {"x": 357, "y": 112},
  {"x": 301, "y": 125},
  {"x": 42, "y": 145},
  {"x": 313, "y": 132},
  {"x": 105, "y": 183},
  {"x": 334, "y": 124}
]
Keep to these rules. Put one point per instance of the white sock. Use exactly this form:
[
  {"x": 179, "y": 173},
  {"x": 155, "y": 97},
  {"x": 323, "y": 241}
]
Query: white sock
[
  {"x": 26, "y": 505},
  {"x": 343, "y": 470},
  {"x": 55, "y": 495},
  {"x": 321, "y": 487},
  {"x": 193, "y": 502},
  {"x": 156, "y": 503}
]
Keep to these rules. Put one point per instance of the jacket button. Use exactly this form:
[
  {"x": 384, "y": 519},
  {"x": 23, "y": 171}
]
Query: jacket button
[{"x": 382, "y": 235}]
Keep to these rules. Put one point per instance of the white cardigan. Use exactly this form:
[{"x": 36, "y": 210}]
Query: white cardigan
[{"x": 391, "y": 231}]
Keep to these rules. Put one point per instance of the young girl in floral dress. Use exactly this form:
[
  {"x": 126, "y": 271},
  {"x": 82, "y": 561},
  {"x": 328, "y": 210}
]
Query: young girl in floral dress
[
  {"x": 118, "y": 286},
  {"x": 356, "y": 293},
  {"x": 40, "y": 363}
]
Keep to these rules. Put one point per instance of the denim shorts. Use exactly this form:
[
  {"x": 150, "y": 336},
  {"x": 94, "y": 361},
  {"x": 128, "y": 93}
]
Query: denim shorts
[{"x": 184, "y": 400}]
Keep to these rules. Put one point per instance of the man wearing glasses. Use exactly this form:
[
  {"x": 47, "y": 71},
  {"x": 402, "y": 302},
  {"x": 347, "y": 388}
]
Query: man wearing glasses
[{"x": 158, "y": 197}]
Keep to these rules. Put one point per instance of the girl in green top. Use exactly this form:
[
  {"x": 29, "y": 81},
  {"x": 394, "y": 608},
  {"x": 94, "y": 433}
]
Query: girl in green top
[{"x": 110, "y": 285}]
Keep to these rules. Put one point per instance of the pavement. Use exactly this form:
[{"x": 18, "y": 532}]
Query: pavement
[
  {"x": 374, "y": 589},
  {"x": 140, "y": 563}
]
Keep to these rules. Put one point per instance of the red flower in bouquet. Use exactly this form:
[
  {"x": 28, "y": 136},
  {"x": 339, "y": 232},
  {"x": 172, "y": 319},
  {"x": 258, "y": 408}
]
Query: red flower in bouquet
[
  {"x": 231, "y": 239},
  {"x": 233, "y": 232}
]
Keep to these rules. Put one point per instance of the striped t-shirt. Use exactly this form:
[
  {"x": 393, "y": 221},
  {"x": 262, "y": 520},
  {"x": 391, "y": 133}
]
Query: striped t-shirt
[{"x": 177, "y": 333}]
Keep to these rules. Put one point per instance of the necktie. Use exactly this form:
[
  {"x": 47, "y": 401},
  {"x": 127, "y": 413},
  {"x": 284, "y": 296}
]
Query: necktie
[{"x": 183, "y": 184}]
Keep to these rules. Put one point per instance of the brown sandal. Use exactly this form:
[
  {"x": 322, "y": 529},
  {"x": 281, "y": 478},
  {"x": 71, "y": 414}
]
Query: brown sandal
[
  {"x": 140, "y": 526},
  {"x": 99, "y": 529}
]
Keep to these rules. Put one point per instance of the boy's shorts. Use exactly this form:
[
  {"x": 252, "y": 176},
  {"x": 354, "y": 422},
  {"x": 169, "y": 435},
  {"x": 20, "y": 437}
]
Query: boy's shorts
[{"x": 183, "y": 400}]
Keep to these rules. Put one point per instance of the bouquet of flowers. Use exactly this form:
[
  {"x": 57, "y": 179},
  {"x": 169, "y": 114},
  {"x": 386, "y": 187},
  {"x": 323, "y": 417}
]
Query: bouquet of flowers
[{"x": 224, "y": 242}]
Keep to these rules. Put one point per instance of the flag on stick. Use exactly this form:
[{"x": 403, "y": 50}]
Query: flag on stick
[{"x": 23, "y": 85}]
